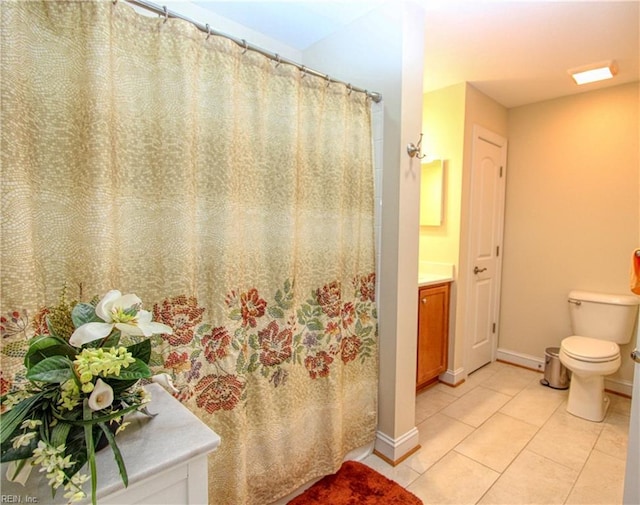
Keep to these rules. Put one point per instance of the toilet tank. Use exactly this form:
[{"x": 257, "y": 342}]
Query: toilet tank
[{"x": 604, "y": 316}]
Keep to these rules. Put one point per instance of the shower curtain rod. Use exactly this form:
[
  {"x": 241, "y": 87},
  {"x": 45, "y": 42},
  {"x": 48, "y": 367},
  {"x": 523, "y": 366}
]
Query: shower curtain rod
[{"x": 163, "y": 11}]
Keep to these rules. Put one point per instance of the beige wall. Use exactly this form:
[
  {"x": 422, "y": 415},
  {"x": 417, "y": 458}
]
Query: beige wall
[
  {"x": 571, "y": 212},
  {"x": 443, "y": 128},
  {"x": 449, "y": 116}
]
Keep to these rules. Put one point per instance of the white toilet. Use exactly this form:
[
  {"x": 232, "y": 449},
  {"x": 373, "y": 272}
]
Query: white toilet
[{"x": 600, "y": 323}]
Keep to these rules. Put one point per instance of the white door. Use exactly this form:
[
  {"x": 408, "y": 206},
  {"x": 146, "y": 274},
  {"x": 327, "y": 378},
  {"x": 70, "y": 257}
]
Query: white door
[
  {"x": 486, "y": 218},
  {"x": 631, "y": 480}
]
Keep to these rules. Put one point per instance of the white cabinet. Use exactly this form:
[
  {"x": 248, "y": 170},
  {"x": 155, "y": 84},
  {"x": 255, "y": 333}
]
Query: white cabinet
[{"x": 165, "y": 457}]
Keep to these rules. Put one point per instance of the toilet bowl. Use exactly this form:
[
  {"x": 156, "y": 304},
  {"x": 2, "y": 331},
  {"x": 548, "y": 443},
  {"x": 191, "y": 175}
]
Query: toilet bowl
[
  {"x": 601, "y": 322},
  {"x": 589, "y": 360}
]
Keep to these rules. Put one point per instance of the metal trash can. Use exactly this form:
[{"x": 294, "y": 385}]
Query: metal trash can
[{"x": 556, "y": 375}]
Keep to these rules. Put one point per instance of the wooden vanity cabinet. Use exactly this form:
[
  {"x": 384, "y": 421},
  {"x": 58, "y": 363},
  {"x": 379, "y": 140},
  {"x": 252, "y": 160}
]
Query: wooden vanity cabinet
[{"x": 433, "y": 333}]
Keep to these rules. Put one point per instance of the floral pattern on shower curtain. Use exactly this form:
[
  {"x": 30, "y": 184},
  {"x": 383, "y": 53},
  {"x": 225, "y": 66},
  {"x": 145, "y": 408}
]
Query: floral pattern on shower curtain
[{"x": 233, "y": 194}]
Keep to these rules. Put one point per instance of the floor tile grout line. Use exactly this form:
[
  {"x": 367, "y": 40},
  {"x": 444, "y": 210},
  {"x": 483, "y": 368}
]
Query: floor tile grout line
[
  {"x": 575, "y": 482},
  {"x": 516, "y": 456},
  {"x": 540, "y": 427},
  {"x": 475, "y": 428}
]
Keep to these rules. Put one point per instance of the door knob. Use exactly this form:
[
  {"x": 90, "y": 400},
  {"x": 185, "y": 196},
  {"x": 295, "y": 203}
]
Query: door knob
[
  {"x": 635, "y": 355},
  {"x": 477, "y": 270}
]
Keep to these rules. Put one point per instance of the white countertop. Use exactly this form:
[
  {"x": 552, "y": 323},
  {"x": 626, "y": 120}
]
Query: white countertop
[
  {"x": 430, "y": 273},
  {"x": 148, "y": 446},
  {"x": 433, "y": 279}
]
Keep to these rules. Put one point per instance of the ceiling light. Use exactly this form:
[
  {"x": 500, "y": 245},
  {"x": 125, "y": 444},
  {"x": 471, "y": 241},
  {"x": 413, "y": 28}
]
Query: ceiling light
[{"x": 593, "y": 73}]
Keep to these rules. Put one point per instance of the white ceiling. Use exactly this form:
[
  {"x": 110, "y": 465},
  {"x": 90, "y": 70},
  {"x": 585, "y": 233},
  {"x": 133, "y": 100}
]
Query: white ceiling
[
  {"x": 515, "y": 51},
  {"x": 519, "y": 52}
]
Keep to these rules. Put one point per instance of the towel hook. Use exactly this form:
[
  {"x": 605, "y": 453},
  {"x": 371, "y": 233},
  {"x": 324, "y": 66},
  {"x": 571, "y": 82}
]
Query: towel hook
[{"x": 414, "y": 151}]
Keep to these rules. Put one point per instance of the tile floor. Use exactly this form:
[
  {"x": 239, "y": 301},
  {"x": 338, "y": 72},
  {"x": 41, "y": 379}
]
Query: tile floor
[{"x": 502, "y": 438}]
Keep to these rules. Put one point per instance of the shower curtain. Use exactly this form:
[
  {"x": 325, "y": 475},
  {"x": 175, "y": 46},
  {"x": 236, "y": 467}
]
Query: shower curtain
[{"x": 232, "y": 194}]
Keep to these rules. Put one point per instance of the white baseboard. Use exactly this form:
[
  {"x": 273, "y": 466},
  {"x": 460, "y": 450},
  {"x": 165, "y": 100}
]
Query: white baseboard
[
  {"x": 453, "y": 377},
  {"x": 619, "y": 386},
  {"x": 521, "y": 359},
  {"x": 360, "y": 453},
  {"x": 396, "y": 449}
]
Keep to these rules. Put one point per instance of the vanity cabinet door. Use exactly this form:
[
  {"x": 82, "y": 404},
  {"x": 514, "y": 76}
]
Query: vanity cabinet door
[{"x": 433, "y": 331}]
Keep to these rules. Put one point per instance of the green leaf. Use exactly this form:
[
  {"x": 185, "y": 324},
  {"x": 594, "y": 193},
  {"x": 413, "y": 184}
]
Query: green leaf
[
  {"x": 156, "y": 359},
  {"x": 100, "y": 419},
  {"x": 253, "y": 363},
  {"x": 141, "y": 350},
  {"x": 59, "y": 434},
  {"x": 203, "y": 329},
  {"x": 111, "y": 340},
  {"x": 120, "y": 386},
  {"x": 44, "y": 346},
  {"x": 84, "y": 313},
  {"x": 52, "y": 330},
  {"x": 275, "y": 312},
  {"x": 315, "y": 325},
  {"x": 91, "y": 453},
  {"x": 52, "y": 369},
  {"x": 12, "y": 419},
  {"x": 116, "y": 453},
  {"x": 241, "y": 363},
  {"x": 284, "y": 300}
]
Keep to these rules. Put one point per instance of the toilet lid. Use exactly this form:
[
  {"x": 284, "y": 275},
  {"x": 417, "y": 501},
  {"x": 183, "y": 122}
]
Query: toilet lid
[{"x": 590, "y": 349}]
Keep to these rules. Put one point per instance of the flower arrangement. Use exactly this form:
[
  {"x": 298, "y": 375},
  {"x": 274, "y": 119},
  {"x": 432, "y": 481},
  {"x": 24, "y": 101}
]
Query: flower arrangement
[{"x": 83, "y": 374}]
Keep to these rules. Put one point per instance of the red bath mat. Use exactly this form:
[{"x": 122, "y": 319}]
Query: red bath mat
[{"x": 356, "y": 483}]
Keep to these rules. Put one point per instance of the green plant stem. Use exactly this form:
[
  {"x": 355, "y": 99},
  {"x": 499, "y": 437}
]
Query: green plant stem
[{"x": 91, "y": 453}]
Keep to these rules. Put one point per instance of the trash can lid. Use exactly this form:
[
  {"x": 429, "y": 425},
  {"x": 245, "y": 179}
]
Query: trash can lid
[{"x": 552, "y": 351}]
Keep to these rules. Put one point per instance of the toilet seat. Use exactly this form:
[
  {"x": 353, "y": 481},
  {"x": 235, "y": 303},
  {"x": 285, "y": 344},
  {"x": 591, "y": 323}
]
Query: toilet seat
[{"x": 590, "y": 350}]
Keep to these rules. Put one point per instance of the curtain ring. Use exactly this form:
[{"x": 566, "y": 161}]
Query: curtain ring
[
  {"x": 245, "y": 46},
  {"x": 328, "y": 78},
  {"x": 349, "y": 89},
  {"x": 277, "y": 60},
  {"x": 303, "y": 69},
  {"x": 166, "y": 13},
  {"x": 208, "y": 31},
  {"x": 114, "y": 2}
]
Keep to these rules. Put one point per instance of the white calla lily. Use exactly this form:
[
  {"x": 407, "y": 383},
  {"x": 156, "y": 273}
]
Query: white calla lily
[
  {"x": 165, "y": 380},
  {"x": 101, "y": 396},
  {"x": 122, "y": 312}
]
